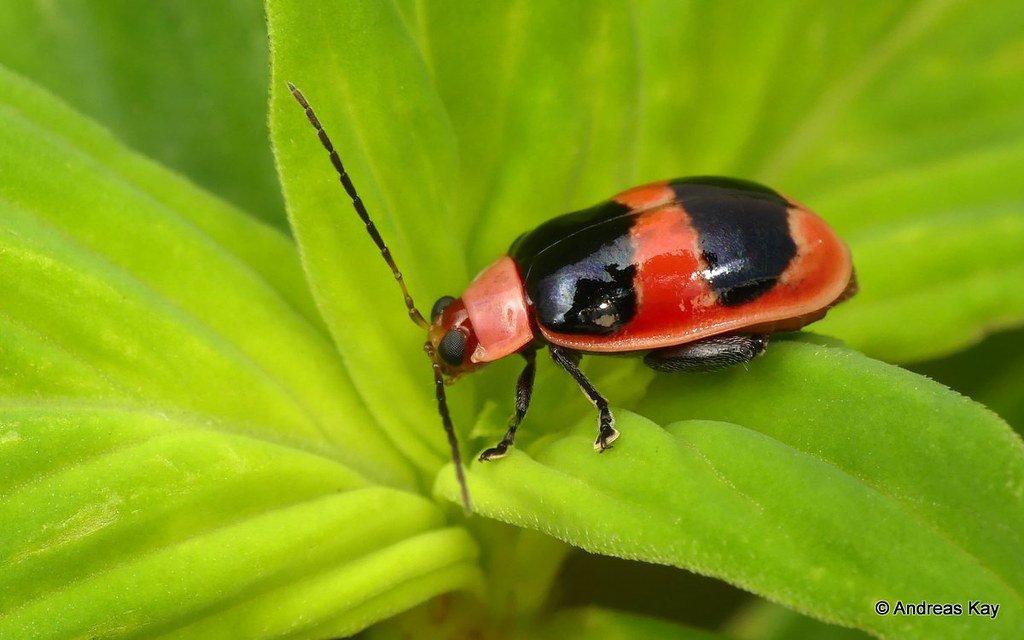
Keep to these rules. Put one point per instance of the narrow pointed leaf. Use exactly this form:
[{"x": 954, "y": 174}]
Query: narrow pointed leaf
[
  {"x": 117, "y": 286},
  {"x": 350, "y": 74},
  {"x": 179, "y": 444}
]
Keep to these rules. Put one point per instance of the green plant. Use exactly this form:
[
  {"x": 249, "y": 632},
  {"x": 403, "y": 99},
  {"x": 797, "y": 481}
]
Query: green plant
[{"x": 203, "y": 436}]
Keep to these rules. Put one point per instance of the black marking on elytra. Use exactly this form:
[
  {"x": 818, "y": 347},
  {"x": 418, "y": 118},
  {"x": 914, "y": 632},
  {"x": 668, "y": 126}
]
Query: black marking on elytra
[
  {"x": 712, "y": 186},
  {"x": 578, "y": 270},
  {"x": 555, "y": 234},
  {"x": 599, "y": 306},
  {"x": 593, "y": 295},
  {"x": 743, "y": 231}
]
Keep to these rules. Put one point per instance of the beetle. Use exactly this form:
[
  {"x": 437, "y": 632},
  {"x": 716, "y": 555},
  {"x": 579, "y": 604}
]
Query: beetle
[{"x": 691, "y": 274}]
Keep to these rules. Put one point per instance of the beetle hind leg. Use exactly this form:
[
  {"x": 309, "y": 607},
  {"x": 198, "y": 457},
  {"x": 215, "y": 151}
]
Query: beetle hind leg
[
  {"x": 570, "y": 361},
  {"x": 709, "y": 354}
]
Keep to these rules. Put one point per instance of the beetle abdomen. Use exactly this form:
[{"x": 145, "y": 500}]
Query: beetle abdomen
[{"x": 672, "y": 262}]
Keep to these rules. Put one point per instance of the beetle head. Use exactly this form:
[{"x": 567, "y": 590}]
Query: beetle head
[{"x": 451, "y": 340}]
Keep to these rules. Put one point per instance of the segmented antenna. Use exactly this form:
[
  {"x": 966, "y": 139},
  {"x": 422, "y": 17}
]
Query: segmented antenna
[
  {"x": 357, "y": 204},
  {"x": 414, "y": 314}
]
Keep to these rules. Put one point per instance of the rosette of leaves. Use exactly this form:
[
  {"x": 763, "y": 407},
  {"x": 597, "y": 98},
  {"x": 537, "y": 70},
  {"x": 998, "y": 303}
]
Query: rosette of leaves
[{"x": 217, "y": 422}]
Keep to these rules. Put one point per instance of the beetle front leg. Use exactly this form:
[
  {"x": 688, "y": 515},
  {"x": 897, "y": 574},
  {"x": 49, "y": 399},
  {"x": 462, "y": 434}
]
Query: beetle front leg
[
  {"x": 570, "y": 361},
  {"x": 524, "y": 391}
]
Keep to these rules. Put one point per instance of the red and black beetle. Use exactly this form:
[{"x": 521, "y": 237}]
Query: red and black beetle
[{"x": 691, "y": 274}]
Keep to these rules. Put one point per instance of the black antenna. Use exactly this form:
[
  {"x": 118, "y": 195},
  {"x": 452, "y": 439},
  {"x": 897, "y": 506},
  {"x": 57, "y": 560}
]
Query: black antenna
[
  {"x": 414, "y": 314},
  {"x": 357, "y": 204},
  {"x": 446, "y": 419}
]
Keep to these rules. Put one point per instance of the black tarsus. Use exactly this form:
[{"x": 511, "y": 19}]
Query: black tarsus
[
  {"x": 570, "y": 361},
  {"x": 524, "y": 391},
  {"x": 357, "y": 204}
]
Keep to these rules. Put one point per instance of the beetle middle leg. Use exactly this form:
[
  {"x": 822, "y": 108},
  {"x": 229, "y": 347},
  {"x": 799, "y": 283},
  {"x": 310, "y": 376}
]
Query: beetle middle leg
[
  {"x": 524, "y": 391},
  {"x": 709, "y": 354},
  {"x": 570, "y": 361}
]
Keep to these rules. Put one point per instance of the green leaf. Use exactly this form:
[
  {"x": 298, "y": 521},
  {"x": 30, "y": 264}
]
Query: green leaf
[
  {"x": 180, "y": 445},
  {"x": 990, "y": 372},
  {"x": 122, "y": 522},
  {"x": 348, "y": 64},
  {"x": 269, "y": 253},
  {"x": 545, "y": 121},
  {"x": 809, "y": 478},
  {"x": 931, "y": 287},
  {"x": 185, "y": 84},
  {"x": 149, "y": 314}
]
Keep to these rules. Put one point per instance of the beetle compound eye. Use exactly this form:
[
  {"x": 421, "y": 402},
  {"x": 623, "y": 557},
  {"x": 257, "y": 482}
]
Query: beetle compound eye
[
  {"x": 442, "y": 303},
  {"x": 453, "y": 347}
]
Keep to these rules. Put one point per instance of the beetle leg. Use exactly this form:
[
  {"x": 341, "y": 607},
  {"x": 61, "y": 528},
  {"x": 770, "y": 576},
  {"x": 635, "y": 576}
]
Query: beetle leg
[
  {"x": 570, "y": 361},
  {"x": 524, "y": 391},
  {"x": 709, "y": 354}
]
